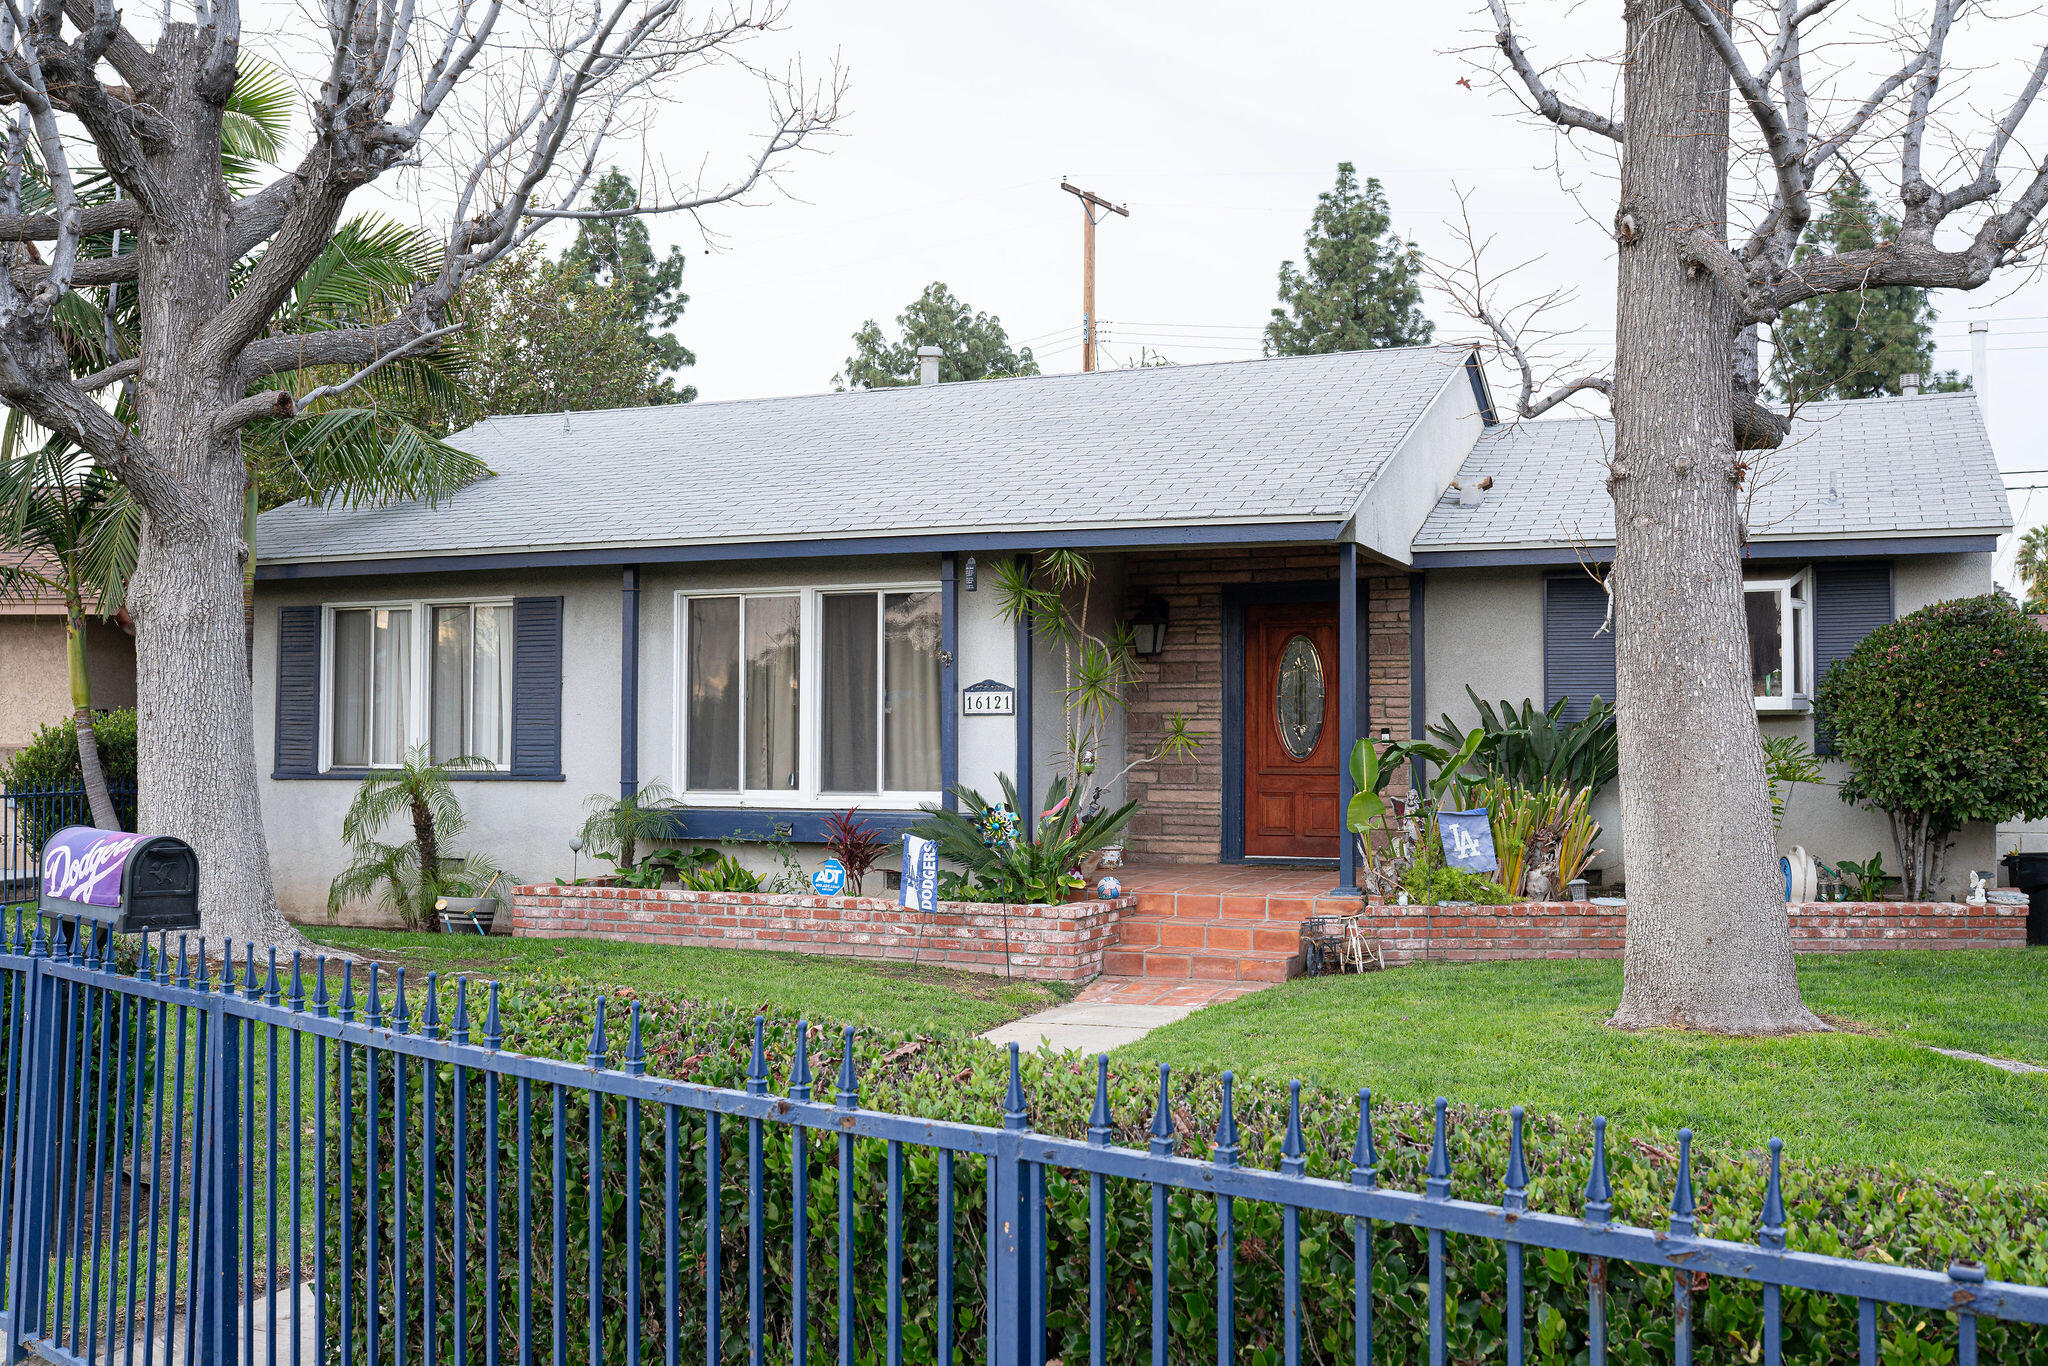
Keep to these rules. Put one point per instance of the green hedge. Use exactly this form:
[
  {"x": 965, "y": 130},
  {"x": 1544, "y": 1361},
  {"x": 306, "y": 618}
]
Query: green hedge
[
  {"x": 1881, "y": 1215},
  {"x": 49, "y": 763}
]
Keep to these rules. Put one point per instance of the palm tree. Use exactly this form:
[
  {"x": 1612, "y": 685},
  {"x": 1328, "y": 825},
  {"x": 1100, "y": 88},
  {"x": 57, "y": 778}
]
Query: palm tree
[
  {"x": 409, "y": 877},
  {"x": 2032, "y": 565},
  {"x": 619, "y": 824},
  {"x": 68, "y": 529}
]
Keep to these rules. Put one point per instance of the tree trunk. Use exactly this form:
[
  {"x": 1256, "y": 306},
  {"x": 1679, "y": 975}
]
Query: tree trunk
[
  {"x": 428, "y": 842},
  {"x": 196, "y": 755},
  {"x": 1709, "y": 946},
  {"x": 92, "y": 774}
]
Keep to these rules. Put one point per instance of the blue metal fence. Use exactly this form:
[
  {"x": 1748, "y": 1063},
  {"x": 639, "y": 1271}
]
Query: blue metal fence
[{"x": 202, "y": 1154}]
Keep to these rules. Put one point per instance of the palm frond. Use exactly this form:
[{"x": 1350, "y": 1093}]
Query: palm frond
[
  {"x": 356, "y": 456},
  {"x": 258, "y": 116}
]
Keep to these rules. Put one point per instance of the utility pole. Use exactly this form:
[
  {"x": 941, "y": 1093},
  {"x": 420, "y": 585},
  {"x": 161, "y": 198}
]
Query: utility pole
[{"x": 1090, "y": 202}]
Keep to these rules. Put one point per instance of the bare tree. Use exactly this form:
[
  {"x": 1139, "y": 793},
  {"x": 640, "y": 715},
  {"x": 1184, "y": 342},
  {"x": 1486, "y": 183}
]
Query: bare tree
[
  {"x": 1708, "y": 942},
  {"x": 514, "y": 104}
]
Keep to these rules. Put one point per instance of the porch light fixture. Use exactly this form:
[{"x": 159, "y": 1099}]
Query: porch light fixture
[{"x": 1148, "y": 629}]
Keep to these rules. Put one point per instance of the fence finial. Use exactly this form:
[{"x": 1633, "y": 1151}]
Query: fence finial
[
  {"x": 1517, "y": 1198},
  {"x": 200, "y": 981},
  {"x": 757, "y": 1060},
  {"x": 92, "y": 947},
  {"x": 636, "y": 1055},
  {"x": 1225, "y": 1152},
  {"x": 494, "y": 1031},
  {"x": 39, "y": 945},
  {"x": 1293, "y": 1153},
  {"x": 1682, "y": 1203},
  {"x": 459, "y": 1030},
  {"x": 319, "y": 987},
  {"x": 800, "y": 1068},
  {"x": 373, "y": 1004},
  {"x": 401, "y": 1014},
  {"x": 1099, "y": 1119},
  {"x": 184, "y": 965},
  {"x": 270, "y": 992},
  {"x": 1599, "y": 1193},
  {"x": 598, "y": 1047},
  {"x": 1365, "y": 1159},
  {"x": 348, "y": 987},
  {"x": 1437, "y": 1180},
  {"x": 849, "y": 1082},
  {"x": 298, "y": 997},
  {"x": 251, "y": 988},
  {"x": 142, "y": 973},
  {"x": 1014, "y": 1116},
  {"x": 1772, "y": 1232},
  {"x": 1162, "y": 1115},
  {"x": 430, "y": 1013}
]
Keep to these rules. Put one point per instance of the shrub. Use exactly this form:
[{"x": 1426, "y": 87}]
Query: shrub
[
  {"x": 49, "y": 763},
  {"x": 1943, "y": 720},
  {"x": 1452, "y": 884},
  {"x": 1888, "y": 1215},
  {"x": 1531, "y": 748}
]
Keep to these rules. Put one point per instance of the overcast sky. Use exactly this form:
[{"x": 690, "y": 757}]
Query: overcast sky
[{"x": 1217, "y": 125}]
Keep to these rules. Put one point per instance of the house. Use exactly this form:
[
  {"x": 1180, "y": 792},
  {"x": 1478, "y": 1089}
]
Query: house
[
  {"x": 35, "y": 684},
  {"x": 780, "y": 608}
]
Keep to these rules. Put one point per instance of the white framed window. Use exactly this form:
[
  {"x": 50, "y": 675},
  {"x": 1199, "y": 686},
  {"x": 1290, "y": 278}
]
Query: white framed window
[
  {"x": 815, "y": 697},
  {"x": 1779, "y": 613},
  {"x": 402, "y": 673}
]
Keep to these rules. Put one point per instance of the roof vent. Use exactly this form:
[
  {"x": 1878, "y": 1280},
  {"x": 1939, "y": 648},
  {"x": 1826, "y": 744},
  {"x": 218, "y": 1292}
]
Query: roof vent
[
  {"x": 1472, "y": 492},
  {"x": 1909, "y": 384},
  {"x": 928, "y": 358}
]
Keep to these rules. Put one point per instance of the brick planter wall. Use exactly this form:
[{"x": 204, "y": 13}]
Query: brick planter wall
[
  {"x": 1046, "y": 943},
  {"x": 1555, "y": 929}
]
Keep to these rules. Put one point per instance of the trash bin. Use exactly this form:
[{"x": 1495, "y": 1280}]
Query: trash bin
[{"x": 2029, "y": 873}]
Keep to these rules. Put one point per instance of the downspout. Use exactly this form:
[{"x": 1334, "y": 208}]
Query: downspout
[
  {"x": 949, "y": 674},
  {"x": 629, "y": 682}
]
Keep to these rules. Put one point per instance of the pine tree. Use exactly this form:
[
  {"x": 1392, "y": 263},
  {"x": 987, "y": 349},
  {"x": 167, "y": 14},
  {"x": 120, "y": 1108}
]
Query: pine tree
[
  {"x": 616, "y": 253},
  {"x": 975, "y": 345},
  {"x": 1359, "y": 286},
  {"x": 1857, "y": 344}
]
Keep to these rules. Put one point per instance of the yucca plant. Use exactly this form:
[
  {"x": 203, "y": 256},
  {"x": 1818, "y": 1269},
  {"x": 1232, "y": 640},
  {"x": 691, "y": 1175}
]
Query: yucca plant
[{"x": 1031, "y": 866}]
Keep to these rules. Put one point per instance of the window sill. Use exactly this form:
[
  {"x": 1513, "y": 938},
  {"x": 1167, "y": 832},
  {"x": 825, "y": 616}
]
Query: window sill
[
  {"x": 356, "y": 775},
  {"x": 799, "y": 825},
  {"x": 1784, "y": 706}
]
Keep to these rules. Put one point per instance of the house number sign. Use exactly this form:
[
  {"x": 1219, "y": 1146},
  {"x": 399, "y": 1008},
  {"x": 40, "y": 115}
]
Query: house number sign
[{"x": 988, "y": 698}]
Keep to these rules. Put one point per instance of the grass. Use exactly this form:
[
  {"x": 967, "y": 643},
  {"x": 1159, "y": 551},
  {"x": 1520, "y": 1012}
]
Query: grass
[
  {"x": 892, "y": 996},
  {"x": 1533, "y": 1033}
]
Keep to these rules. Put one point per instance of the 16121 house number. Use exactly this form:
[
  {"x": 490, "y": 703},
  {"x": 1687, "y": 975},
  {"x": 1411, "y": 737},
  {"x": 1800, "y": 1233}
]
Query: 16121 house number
[{"x": 988, "y": 698}]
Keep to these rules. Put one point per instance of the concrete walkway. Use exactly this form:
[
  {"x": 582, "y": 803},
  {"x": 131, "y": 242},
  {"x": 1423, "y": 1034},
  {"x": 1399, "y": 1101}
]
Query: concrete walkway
[{"x": 1113, "y": 1011}]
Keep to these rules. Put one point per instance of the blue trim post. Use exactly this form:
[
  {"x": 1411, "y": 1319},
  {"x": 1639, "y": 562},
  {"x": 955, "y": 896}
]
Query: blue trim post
[
  {"x": 1349, "y": 666},
  {"x": 34, "y": 1146},
  {"x": 1025, "y": 647},
  {"x": 629, "y": 681},
  {"x": 949, "y": 680}
]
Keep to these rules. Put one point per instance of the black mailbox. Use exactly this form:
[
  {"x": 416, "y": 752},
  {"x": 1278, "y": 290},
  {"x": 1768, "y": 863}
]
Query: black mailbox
[{"x": 131, "y": 884}]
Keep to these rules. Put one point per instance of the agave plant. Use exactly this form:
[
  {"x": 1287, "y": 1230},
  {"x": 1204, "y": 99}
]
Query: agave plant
[{"x": 1031, "y": 866}]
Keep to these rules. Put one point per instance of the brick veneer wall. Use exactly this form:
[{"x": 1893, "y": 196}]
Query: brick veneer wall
[
  {"x": 1552, "y": 929},
  {"x": 1047, "y": 943},
  {"x": 1180, "y": 801}
]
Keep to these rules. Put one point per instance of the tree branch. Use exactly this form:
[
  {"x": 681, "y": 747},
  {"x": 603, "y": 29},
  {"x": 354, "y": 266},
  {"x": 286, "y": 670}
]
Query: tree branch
[
  {"x": 282, "y": 404},
  {"x": 1548, "y": 102}
]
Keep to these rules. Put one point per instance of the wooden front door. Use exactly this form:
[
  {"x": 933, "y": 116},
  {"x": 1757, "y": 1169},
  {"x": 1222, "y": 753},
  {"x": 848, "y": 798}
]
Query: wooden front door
[{"x": 1290, "y": 731}]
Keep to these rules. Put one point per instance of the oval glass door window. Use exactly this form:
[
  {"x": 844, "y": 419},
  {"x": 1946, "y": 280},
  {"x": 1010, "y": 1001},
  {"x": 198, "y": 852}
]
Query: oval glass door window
[{"x": 1298, "y": 696}]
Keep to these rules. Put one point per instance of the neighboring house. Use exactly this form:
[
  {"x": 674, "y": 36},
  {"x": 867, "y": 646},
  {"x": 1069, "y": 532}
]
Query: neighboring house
[
  {"x": 35, "y": 673},
  {"x": 778, "y": 607}
]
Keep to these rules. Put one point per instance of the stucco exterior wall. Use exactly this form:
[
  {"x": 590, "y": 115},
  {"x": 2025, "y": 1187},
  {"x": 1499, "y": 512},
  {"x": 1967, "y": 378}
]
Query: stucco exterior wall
[
  {"x": 1485, "y": 627},
  {"x": 35, "y": 680},
  {"x": 525, "y": 825}
]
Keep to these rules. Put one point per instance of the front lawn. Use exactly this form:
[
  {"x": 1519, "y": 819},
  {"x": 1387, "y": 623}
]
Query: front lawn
[
  {"x": 891, "y": 997},
  {"x": 1532, "y": 1033}
]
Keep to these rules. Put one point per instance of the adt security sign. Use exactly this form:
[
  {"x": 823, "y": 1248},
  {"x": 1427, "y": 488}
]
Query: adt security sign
[
  {"x": 829, "y": 880},
  {"x": 1467, "y": 840},
  {"x": 920, "y": 874}
]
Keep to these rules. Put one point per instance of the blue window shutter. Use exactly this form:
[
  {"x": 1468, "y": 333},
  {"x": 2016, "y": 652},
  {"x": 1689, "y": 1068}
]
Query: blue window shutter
[
  {"x": 1850, "y": 600},
  {"x": 298, "y": 692},
  {"x": 1578, "y": 656},
  {"x": 537, "y": 687}
]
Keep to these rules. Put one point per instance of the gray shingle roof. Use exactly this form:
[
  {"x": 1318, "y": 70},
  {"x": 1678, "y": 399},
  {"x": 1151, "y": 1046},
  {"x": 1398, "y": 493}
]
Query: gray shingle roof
[
  {"x": 1299, "y": 438},
  {"x": 1870, "y": 467}
]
